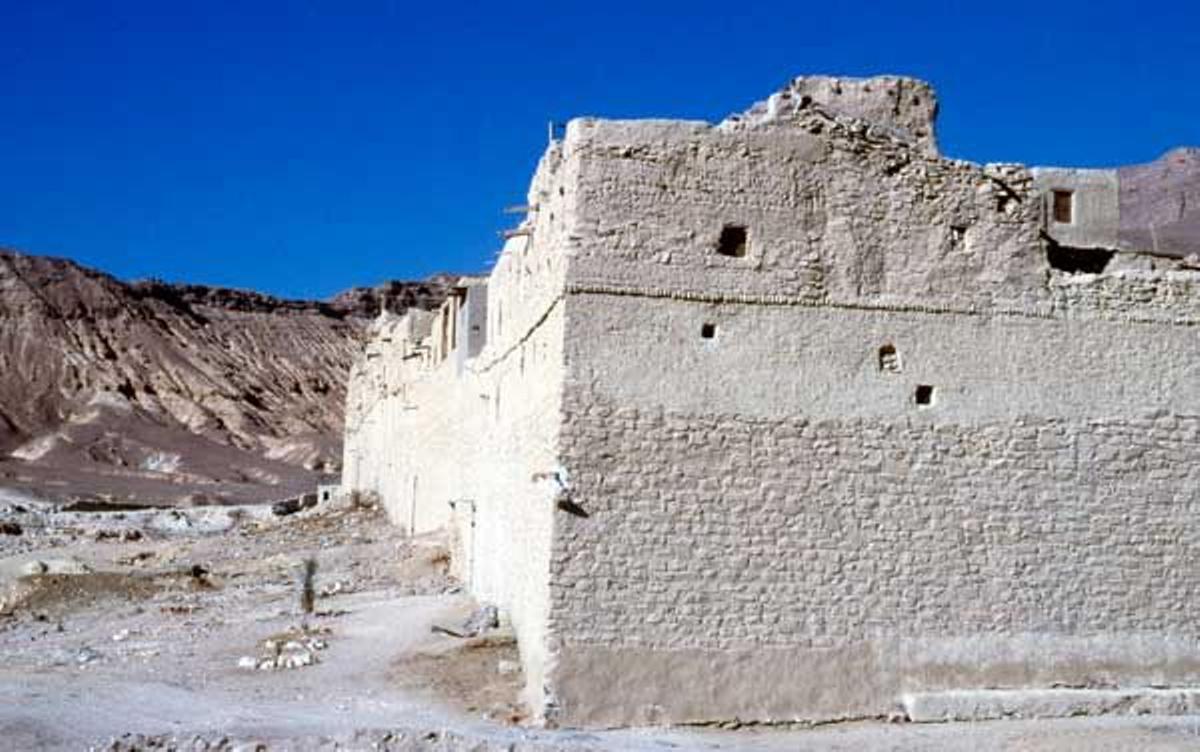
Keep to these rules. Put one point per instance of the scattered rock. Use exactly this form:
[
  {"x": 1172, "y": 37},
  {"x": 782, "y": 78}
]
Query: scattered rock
[
  {"x": 126, "y": 536},
  {"x": 293, "y": 652},
  {"x": 198, "y": 743},
  {"x": 173, "y": 521},
  {"x": 33, "y": 568},
  {"x": 138, "y": 558},
  {"x": 484, "y": 619},
  {"x": 286, "y": 507},
  {"x": 10, "y": 528},
  {"x": 68, "y": 565},
  {"x": 339, "y": 587},
  {"x": 296, "y": 659},
  {"x": 291, "y": 506}
]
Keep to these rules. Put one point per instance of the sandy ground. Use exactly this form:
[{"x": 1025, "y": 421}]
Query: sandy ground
[{"x": 162, "y": 629}]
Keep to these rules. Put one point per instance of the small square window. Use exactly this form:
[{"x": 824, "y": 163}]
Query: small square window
[
  {"x": 924, "y": 395},
  {"x": 708, "y": 331},
  {"x": 1064, "y": 207},
  {"x": 889, "y": 359},
  {"x": 733, "y": 241}
]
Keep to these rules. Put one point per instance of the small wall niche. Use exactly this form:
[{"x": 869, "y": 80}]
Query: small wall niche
[
  {"x": 889, "y": 359},
  {"x": 1062, "y": 206},
  {"x": 708, "y": 331},
  {"x": 923, "y": 395},
  {"x": 733, "y": 241}
]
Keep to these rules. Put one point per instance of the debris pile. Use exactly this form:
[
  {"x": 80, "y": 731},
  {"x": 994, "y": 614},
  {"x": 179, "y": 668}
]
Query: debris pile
[
  {"x": 295, "y": 650},
  {"x": 484, "y": 619}
]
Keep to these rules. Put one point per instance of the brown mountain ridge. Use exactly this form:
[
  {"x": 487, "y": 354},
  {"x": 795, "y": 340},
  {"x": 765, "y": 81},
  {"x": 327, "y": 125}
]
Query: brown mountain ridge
[{"x": 157, "y": 392}]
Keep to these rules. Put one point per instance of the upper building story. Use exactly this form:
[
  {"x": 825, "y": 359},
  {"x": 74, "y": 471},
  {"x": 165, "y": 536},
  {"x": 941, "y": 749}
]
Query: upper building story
[{"x": 832, "y": 192}]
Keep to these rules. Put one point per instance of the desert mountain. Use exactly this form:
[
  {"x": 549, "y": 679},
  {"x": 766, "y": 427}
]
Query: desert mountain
[{"x": 154, "y": 391}]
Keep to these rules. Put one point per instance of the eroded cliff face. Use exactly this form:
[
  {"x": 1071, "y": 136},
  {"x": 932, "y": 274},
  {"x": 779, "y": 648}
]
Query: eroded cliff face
[{"x": 135, "y": 389}]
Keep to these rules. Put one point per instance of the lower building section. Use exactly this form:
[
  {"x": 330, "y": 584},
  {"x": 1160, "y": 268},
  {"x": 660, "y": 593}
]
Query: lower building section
[
  {"x": 471, "y": 449},
  {"x": 916, "y": 678},
  {"x": 787, "y": 570},
  {"x": 752, "y": 556}
]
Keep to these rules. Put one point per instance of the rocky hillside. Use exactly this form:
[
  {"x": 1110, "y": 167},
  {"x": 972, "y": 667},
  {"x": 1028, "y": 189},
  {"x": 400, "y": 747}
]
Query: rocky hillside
[{"x": 127, "y": 390}]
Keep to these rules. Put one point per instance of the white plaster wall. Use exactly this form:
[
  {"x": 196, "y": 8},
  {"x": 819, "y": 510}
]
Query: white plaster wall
[
  {"x": 823, "y": 363},
  {"x": 483, "y": 435},
  {"x": 832, "y": 216},
  {"x": 775, "y": 530},
  {"x": 377, "y": 397}
]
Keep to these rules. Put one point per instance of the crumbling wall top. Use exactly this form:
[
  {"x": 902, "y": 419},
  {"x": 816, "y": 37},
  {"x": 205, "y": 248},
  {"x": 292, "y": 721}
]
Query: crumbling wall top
[{"x": 906, "y": 107}]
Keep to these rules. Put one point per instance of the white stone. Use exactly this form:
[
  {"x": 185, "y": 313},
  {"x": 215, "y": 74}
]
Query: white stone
[{"x": 981, "y": 705}]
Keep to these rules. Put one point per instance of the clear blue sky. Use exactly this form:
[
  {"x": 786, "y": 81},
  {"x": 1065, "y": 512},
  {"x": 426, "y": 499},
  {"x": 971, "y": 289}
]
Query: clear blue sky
[{"x": 303, "y": 147}]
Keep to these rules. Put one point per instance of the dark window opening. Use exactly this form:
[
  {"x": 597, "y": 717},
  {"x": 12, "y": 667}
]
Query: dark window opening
[
  {"x": 708, "y": 331},
  {"x": 889, "y": 359},
  {"x": 958, "y": 234},
  {"x": 924, "y": 394},
  {"x": 1063, "y": 204},
  {"x": 733, "y": 241},
  {"x": 1077, "y": 260}
]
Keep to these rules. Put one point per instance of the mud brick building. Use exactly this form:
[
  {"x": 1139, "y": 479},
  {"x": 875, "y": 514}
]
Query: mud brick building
[{"x": 792, "y": 418}]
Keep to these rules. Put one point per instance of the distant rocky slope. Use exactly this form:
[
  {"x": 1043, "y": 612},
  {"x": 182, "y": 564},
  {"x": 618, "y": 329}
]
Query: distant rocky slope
[
  {"x": 148, "y": 389},
  {"x": 396, "y": 295}
]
